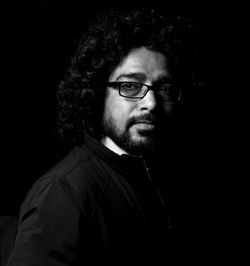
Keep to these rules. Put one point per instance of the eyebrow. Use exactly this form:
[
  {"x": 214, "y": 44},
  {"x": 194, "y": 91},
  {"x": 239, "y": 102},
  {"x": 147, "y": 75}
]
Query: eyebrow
[
  {"x": 141, "y": 77},
  {"x": 136, "y": 76},
  {"x": 164, "y": 80}
]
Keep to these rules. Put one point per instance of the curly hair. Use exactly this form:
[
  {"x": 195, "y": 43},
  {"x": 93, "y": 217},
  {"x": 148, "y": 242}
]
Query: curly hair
[{"x": 80, "y": 96}]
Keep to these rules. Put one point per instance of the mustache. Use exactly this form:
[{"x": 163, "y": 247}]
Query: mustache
[{"x": 145, "y": 118}]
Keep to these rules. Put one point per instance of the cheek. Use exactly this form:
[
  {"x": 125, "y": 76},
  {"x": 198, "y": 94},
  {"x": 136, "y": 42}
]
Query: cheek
[
  {"x": 117, "y": 110},
  {"x": 168, "y": 109}
]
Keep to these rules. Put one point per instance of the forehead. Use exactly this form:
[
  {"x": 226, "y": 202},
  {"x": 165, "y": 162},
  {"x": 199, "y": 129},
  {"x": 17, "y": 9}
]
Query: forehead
[{"x": 150, "y": 64}]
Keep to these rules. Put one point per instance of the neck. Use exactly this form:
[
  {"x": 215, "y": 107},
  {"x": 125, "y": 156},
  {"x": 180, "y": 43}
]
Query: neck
[{"x": 110, "y": 144}]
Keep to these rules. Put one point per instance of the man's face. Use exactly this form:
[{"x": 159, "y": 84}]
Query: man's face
[{"x": 135, "y": 125}]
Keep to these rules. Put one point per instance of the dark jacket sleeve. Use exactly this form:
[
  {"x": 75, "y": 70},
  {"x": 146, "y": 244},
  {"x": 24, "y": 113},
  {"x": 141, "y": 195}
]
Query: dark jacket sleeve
[{"x": 48, "y": 232}]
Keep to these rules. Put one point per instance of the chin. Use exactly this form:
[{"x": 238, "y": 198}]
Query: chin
[
  {"x": 142, "y": 144},
  {"x": 141, "y": 140}
]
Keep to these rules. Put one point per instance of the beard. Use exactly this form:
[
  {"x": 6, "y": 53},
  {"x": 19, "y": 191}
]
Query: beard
[{"x": 144, "y": 143}]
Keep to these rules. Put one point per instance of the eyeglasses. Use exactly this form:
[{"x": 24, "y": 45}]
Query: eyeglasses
[{"x": 168, "y": 93}]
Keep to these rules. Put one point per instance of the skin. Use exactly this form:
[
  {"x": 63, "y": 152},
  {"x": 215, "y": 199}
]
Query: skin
[{"x": 148, "y": 67}]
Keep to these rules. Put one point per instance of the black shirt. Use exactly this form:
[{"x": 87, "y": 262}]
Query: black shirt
[{"x": 94, "y": 206}]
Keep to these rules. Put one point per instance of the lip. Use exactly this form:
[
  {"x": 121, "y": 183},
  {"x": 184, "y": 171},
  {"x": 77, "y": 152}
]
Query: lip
[
  {"x": 145, "y": 125},
  {"x": 146, "y": 122}
]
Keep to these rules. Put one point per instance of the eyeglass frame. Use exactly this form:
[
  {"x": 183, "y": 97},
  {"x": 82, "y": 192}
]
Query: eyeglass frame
[{"x": 149, "y": 87}]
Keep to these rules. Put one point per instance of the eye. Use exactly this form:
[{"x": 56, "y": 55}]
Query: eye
[
  {"x": 131, "y": 86},
  {"x": 166, "y": 88}
]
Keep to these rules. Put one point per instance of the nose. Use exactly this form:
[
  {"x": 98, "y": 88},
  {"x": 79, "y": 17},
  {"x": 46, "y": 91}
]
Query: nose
[{"x": 148, "y": 102}]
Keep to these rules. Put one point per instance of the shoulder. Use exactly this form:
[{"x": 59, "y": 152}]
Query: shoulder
[{"x": 78, "y": 178}]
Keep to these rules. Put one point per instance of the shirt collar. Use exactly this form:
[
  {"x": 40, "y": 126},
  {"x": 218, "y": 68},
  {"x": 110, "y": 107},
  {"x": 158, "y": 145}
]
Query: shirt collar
[{"x": 124, "y": 162}]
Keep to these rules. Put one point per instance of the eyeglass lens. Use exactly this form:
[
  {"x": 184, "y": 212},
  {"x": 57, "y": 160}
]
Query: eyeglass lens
[{"x": 137, "y": 90}]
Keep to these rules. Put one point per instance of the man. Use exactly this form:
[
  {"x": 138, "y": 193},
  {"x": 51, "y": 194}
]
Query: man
[{"x": 112, "y": 199}]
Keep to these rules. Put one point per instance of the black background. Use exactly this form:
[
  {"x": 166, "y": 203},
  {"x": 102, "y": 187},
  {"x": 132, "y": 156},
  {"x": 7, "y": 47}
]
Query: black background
[
  {"x": 36, "y": 41},
  {"x": 37, "y": 38}
]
